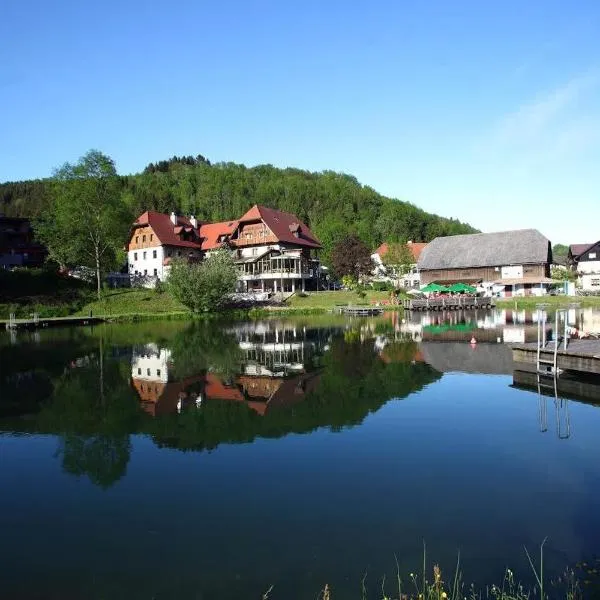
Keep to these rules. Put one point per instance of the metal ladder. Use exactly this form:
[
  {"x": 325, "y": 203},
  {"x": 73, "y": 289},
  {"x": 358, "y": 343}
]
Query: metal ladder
[{"x": 546, "y": 366}]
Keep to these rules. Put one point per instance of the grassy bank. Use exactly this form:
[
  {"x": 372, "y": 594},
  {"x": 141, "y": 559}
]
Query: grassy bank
[
  {"x": 329, "y": 300},
  {"x": 531, "y": 302}
]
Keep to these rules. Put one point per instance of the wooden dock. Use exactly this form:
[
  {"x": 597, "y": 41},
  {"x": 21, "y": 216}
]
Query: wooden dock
[
  {"x": 361, "y": 311},
  {"x": 579, "y": 355},
  {"x": 38, "y": 322},
  {"x": 447, "y": 303}
]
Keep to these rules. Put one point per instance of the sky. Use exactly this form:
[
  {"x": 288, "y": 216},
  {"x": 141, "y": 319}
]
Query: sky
[{"x": 488, "y": 112}]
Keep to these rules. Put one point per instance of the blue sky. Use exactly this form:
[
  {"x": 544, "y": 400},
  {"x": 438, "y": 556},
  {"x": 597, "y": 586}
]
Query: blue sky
[{"x": 484, "y": 111}]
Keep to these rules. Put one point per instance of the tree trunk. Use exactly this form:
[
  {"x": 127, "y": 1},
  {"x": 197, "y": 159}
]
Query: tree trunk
[{"x": 98, "y": 278}]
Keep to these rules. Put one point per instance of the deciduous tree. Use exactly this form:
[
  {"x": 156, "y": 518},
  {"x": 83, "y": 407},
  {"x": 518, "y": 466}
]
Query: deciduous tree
[
  {"x": 86, "y": 222},
  {"x": 351, "y": 257}
]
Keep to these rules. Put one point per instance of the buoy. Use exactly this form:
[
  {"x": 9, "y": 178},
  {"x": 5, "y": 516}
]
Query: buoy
[{"x": 473, "y": 341}]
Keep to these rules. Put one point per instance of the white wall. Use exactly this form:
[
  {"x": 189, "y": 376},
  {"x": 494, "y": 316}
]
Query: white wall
[
  {"x": 590, "y": 282},
  {"x": 589, "y": 266},
  {"x": 147, "y": 264}
]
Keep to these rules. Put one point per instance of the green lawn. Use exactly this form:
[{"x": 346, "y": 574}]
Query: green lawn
[
  {"x": 328, "y": 300},
  {"x": 554, "y": 301},
  {"x": 135, "y": 301}
]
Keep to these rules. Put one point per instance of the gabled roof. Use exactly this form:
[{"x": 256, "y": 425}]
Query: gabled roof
[
  {"x": 211, "y": 232},
  {"x": 165, "y": 231},
  {"x": 283, "y": 225},
  {"x": 577, "y": 250},
  {"x": 524, "y": 246},
  {"x": 415, "y": 247}
]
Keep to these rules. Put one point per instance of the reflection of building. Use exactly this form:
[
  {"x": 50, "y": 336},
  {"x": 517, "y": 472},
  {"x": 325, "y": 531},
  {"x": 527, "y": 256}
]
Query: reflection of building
[{"x": 277, "y": 369}]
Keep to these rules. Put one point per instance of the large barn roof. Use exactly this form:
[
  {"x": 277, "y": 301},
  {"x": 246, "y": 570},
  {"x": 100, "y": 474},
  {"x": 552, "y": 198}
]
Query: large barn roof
[{"x": 523, "y": 246}]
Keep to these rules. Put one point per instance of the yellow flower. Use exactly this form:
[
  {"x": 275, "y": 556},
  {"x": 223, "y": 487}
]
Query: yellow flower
[{"x": 444, "y": 595}]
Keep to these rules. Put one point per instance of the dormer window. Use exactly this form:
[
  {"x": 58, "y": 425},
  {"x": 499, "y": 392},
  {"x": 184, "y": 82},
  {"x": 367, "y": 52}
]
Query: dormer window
[
  {"x": 151, "y": 236},
  {"x": 143, "y": 238}
]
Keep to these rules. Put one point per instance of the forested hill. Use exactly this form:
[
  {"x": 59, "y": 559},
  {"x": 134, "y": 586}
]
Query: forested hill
[{"x": 332, "y": 204}]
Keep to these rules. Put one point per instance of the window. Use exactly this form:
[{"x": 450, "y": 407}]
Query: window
[
  {"x": 178, "y": 252},
  {"x": 151, "y": 236},
  {"x": 148, "y": 372},
  {"x": 144, "y": 256},
  {"x": 143, "y": 238},
  {"x": 595, "y": 283},
  {"x": 137, "y": 239},
  {"x": 153, "y": 253},
  {"x": 139, "y": 371},
  {"x": 158, "y": 372},
  {"x": 155, "y": 272},
  {"x": 145, "y": 272},
  {"x": 592, "y": 255},
  {"x": 168, "y": 253},
  {"x": 135, "y": 256}
]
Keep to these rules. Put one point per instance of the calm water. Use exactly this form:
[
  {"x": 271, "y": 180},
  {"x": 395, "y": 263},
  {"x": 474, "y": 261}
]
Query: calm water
[{"x": 177, "y": 460}]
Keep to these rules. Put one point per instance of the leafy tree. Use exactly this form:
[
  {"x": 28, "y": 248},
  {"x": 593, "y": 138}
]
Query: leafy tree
[
  {"x": 204, "y": 286},
  {"x": 560, "y": 253},
  {"x": 398, "y": 259},
  {"x": 87, "y": 222},
  {"x": 351, "y": 257}
]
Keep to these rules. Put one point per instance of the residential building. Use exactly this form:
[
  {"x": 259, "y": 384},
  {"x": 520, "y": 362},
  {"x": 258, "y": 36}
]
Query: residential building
[
  {"x": 18, "y": 247},
  {"x": 409, "y": 276},
  {"x": 585, "y": 259},
  {"x": 274, "y": 250},
  {"x": 508, "y": 263}
]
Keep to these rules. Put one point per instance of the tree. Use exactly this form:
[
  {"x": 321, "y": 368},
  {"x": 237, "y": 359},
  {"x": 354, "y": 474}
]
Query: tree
[
  {"x": 560, "y": 253},
  {"x": 398, "y": 259},
  {"x": 87, "y": 222},
  {"x": 203, "y": 286},
  {"x": 351, "y": 257}
]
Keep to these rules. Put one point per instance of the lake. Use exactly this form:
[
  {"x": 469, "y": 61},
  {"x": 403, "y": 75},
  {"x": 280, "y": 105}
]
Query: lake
[{"x": 170, "y": 459}]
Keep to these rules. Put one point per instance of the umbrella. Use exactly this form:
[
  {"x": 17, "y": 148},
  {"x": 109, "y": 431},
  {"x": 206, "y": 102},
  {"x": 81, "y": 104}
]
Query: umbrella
[
  {"x": 462, "y": 288},
  {"x": 434, "y": 287}
]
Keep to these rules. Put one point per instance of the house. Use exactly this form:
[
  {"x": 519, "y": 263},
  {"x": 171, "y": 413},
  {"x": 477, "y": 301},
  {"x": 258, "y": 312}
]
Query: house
[
  {"x": 274, "y": 250},
  {"x": 408, "y": 279},
  {"x": 18, "y": 247},
  {"x": 507, "y": 263},
  {"x": 585, "y": 259}
]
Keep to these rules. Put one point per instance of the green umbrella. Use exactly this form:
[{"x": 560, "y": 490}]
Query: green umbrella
[
  {"x": 462, "y": 288},
  {"x": 434, "y": 287}
]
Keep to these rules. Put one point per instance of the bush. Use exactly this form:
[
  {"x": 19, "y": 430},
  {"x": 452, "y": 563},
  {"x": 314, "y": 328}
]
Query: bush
[
  {"x": 204, "y": 286},
  {"x": 382, "y": 286}
]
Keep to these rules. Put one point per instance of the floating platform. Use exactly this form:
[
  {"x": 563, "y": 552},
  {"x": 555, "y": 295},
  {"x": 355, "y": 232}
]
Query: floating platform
[
  {"x": 38, "y": 322},
  {"x": 361, "y": 311},
  {"x": 447, "y": 303},
  {"x": 579, "y": 355}
]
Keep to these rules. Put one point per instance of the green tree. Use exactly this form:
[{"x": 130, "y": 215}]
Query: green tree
[
  {"x": 560, "y": 253},
  {"x": 204, "y": 286},
  {"x": 351, "y": 257},
  {"x": 398, "y": 259},
  {"x": 87, "y": 222}
]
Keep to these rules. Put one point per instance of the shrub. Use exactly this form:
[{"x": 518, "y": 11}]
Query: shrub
[{"x": 204, "y": 286}]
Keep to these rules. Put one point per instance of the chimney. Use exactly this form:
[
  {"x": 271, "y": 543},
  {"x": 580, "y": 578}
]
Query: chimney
[
  {"x": 173, "y": 218},
  {"x": 194, "y": 222}
]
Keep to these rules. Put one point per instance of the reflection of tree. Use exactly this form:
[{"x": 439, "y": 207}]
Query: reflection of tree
[
  {"x": 204, "y": 346},
  {"x": 353, "y": 383},
  {"x": 102, "y": 458},
  {"x": 93, "y": 410}
]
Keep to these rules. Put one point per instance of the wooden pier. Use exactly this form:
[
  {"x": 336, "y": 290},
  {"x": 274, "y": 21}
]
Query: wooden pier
[
  {"x": 447, "y": 303},
  {"x": 38, "y": 322},
  {"x": 361, "y": 311},
  {"x": 579, "y": 355}
]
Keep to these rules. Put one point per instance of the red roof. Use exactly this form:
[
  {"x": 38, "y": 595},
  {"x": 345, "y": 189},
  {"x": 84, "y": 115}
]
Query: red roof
[
  {"x": 415, "y": 247},
  {"x": 283, "y": 225},
  {"x": 210, "y": 233},
  {"x": 164, "y": 229}
]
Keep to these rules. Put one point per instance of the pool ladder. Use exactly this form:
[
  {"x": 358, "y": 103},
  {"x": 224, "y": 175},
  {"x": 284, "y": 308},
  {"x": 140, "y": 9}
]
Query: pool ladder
[{"x": 547, "y": 366}]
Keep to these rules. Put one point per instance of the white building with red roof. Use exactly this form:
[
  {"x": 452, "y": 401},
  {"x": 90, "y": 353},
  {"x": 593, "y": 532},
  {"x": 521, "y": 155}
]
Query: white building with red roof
[
  {"x": 274, "y": 250},
  {"x": 410, "y": 278}
]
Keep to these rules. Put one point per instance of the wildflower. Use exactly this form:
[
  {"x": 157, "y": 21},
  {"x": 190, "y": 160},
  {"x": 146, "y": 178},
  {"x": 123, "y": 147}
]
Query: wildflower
[{"x": 444, "y": 595}]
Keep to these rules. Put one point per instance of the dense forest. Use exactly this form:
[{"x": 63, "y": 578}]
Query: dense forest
[{"x": 332, "y": 204}]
